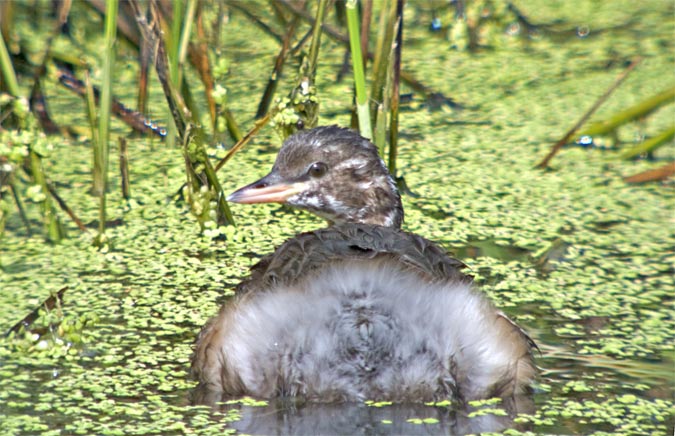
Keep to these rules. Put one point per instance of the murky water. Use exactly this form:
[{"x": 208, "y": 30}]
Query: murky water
[{"x": 581, "y": 260}]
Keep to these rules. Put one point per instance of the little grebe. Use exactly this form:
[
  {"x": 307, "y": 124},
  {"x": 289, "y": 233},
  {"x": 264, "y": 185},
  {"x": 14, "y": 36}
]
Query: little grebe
[{"x": 359, "y": 310}]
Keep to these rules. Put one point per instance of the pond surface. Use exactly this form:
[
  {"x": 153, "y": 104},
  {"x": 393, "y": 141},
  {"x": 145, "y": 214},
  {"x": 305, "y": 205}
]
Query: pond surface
[{"x": 581, "y": 260}]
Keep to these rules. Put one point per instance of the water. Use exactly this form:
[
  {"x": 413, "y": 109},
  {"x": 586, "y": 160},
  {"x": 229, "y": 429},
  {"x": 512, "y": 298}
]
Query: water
[{"x": 581, "y": 260}]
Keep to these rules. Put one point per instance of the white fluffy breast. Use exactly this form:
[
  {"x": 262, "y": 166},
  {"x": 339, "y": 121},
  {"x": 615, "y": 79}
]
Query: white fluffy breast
[{"x": 358, "y": 329}]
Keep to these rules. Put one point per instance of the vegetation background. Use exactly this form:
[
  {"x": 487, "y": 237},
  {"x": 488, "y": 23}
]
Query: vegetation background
[{"x": 114, "y": 252}]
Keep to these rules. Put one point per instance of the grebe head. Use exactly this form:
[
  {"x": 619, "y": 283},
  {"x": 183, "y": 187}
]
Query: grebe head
[{"x": 332, "y": 172}]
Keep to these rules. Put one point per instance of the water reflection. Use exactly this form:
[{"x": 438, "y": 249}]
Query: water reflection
[{"x": 295, "y": 417}]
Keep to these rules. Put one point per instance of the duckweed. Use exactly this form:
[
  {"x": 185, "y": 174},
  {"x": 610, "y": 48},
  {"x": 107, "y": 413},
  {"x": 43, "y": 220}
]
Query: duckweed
[{"x": 593, "y": 281}]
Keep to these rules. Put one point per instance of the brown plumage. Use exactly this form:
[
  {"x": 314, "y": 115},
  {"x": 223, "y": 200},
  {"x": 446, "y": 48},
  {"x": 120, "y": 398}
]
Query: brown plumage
[{"x": 360, "y": 310}]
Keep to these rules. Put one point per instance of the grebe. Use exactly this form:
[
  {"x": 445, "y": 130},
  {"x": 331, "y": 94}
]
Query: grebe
[{"x": 361, "y": 309}]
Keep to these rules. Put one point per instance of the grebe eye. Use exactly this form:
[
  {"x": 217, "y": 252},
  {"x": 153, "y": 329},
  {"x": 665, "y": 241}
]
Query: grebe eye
[{"x": 317, "y": 169}]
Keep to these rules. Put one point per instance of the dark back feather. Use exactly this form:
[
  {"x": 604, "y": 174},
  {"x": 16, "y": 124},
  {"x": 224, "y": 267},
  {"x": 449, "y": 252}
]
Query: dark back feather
[{"x": 309, "y": 252}]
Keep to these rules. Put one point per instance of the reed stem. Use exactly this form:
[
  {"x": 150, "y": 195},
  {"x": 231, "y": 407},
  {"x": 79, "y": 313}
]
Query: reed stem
[
  {"x": 185, "y": 39},
  {"x": 316, "y": 37},
  {"x": 55, "y": 230},
  {"x": 650, "y": 144},
  {"x": 640, "y": 110},
  {"x": 8, "y": 70},
  {"x": 395, "y": 92},
  {"x": 105, "y": 109},
  {"x": 362, "y": 109},
  {"x": 174, "y": 42}
]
